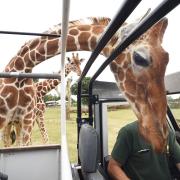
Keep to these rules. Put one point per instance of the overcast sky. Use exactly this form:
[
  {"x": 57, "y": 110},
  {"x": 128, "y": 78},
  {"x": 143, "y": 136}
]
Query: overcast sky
[{"x": 39, "y": 15}]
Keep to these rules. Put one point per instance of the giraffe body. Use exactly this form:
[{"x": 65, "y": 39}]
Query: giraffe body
[
  {"x": 139, "y": 71},
  {"x": 42, "y": 88}
]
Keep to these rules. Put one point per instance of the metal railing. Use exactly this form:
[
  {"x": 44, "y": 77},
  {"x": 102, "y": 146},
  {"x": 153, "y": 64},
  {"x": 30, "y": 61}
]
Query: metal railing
[{"x": 29, "y": 33}]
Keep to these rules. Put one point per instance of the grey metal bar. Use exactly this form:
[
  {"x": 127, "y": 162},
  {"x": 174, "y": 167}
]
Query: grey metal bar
[
  {"x": 66, "y": 172},
  {"x": 29, "y": 75},
  {"x": 29, "y": 33}
]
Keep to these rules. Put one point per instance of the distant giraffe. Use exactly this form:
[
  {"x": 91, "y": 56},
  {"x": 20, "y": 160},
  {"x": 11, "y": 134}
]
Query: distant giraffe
[
  {"x": 42, "y": 88},
  {"x": 139, "y": 71},
  {"x": 46, "y": 86}
]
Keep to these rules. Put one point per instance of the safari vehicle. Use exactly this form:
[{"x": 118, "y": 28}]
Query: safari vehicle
[
  {"x": 93, "y": 141},
  {"x": 52, "y": 162}
]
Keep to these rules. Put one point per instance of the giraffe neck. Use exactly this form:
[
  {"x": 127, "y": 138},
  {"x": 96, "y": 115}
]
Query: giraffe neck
[
  {"x": 82, "y": 36},
  {"x": 46, "y": 86}
]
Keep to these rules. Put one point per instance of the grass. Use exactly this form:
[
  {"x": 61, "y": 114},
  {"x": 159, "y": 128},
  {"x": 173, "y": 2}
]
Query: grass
[{"x": 116, "y": 120}]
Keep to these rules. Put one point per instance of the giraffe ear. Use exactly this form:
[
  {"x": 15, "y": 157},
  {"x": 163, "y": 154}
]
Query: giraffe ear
[
  {"x": 81, "y": 60},
  {"x": 68, "y": 59},
  {"x": 159, "y": 29}
]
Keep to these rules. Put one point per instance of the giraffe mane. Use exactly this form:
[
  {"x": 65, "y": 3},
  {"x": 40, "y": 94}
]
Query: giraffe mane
[
  {"x": 100, "y": 20},
  {"x": 91, "y": 20}
]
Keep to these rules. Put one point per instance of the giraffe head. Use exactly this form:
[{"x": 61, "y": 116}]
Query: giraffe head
[
  {"x": 140, "y": 72},
  {"x": 74, "y": 64}
]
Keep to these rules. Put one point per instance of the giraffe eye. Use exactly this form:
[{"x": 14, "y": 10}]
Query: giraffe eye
[{"x": 140, "y": 60}]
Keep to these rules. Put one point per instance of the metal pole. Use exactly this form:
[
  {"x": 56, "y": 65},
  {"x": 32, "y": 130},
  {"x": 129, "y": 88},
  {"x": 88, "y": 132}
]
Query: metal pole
[
  {"x": 29, "y": 75},
  {"x": 65, "y": 163},
  {"x": 29, "y": 33}
]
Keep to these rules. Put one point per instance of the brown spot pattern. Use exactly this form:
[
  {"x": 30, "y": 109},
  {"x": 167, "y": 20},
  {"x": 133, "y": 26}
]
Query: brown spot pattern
[
  {"x": 120, "y": 58},
  {"x": 39, "y": 88},
  {"x": 27, "y": 122},
  {"x": 39, "y": 57},
  {"x": 120, "y": 74},
  {"x": 131, "y": 98},
  {"x": 10, "y": 94},
  {"x": 84, "y": 27},
  {"x": 19, "y": 64},
  {"x": 9, "y": 80},
  {"x": 73, "y": 32},
  {"x": 2, "y": 121},
  {"x": 71, "y": 45},
  {"x": 98, "y": 29},
  {"x": 113, "y": 67},
  {"x": 23, "y": 50},
  {"x": 42, "y": 48},
  {"x": 106, "y": 51},
  {"x": 29, "y": 91},
  {"x": 93, "y": 42},
  {"x": 52, "y": 47},
  {"x": 3, "y": 110},
  {"x": 25, "y": 99},
  {"x": 83, "y": 40},
  {"x": 34, "y": 43},
  {"x": 130, "y": 86},
  {"x": 29, "y": 64}
]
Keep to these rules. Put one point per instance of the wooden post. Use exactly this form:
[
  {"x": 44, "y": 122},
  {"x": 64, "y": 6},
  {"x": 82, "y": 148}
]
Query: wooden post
[{"x": 68, "y": 94}]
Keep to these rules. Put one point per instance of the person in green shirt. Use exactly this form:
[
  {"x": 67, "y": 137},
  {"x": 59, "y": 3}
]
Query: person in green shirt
[{"x": 133, "y": 158}]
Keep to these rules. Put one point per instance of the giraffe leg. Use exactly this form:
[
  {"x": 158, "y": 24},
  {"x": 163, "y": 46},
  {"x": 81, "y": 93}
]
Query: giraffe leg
[
  {"x": 42, "y": 128},
  {"x": 27, "y": 126},
  {"x": 26, "y": 135},
  {"x": 6, "y": 135},
  {"x": 18, "y": 134}
]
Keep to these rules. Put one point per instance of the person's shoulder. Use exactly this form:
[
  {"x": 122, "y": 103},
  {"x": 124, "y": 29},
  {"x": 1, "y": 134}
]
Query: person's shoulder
[{"x": 131, "y": 127}]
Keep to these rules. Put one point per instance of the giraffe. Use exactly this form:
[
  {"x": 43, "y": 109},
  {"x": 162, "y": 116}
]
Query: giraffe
[
  {"x": 139, "y": 71},
  {"x": 46, "y": 86},
  {"x": 18, "y": 95},
  {"x": 42, "y": 88}
]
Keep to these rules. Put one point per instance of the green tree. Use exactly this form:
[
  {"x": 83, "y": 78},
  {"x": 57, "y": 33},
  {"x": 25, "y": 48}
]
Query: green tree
[
  {"x": 50, "y": 97},
  {"x": 85, "y": 85}
]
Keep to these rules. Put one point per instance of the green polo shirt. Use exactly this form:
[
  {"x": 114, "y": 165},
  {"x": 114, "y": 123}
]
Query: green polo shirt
[{"x": 137, "y": 157}]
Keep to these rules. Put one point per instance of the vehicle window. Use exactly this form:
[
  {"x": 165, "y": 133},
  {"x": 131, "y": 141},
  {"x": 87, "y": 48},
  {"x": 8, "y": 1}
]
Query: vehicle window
[
  {"x": 118, "y": 116},
  {"x": 174, "y": 104}
]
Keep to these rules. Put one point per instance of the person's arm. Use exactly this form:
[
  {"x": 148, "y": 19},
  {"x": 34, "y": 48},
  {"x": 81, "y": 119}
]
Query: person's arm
[
  {"x": 178, "y": 166},
  {"x": 115, "y": 171},
  {"x": 175, "y": 150}
]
